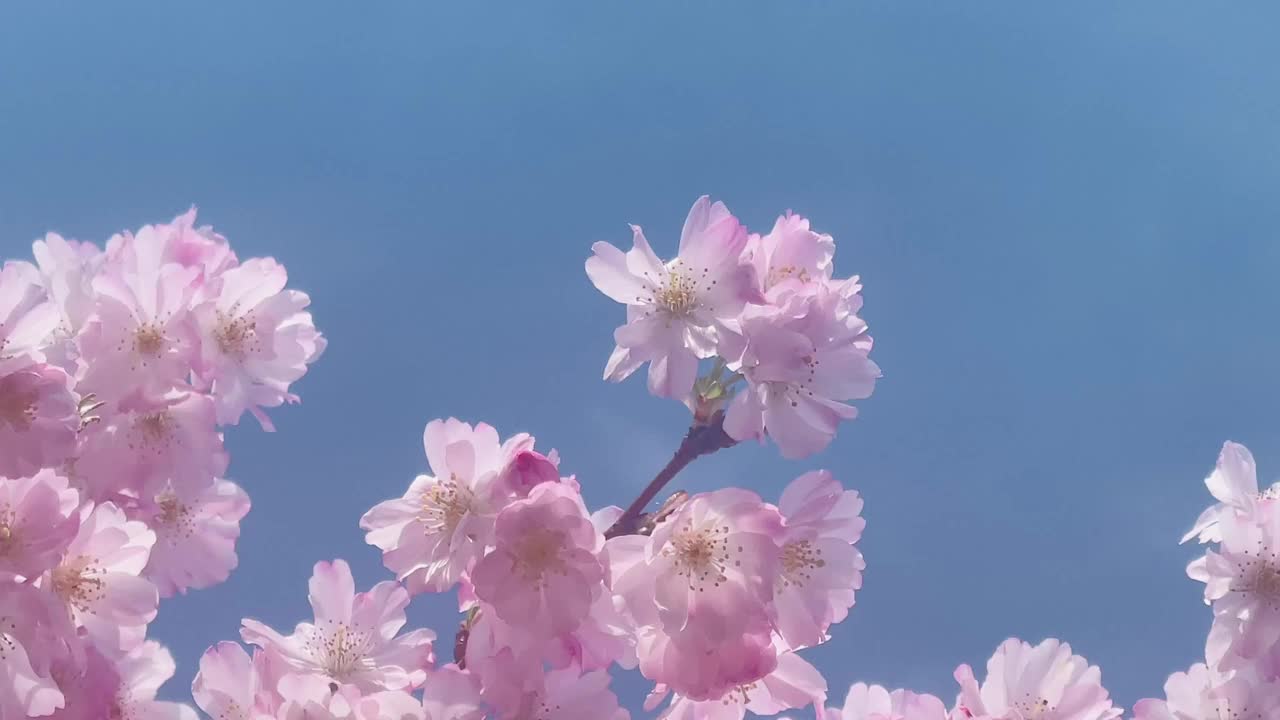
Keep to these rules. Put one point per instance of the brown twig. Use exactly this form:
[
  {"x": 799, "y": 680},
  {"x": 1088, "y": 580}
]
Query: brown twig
[{"x": 702, "y": 439}]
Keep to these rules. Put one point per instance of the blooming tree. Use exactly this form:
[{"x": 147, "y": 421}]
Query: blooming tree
[{"x": 118, "y": 366}]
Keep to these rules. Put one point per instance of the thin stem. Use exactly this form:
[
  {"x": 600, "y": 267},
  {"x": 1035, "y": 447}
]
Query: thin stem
[{"x": 702, "y": 439}]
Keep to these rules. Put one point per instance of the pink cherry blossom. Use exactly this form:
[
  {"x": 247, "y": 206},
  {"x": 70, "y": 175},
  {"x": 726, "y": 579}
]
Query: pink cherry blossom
[
  {"x": 451, "y": 694},
  {"x": 529, "y": 468},
  {"x": 1201, "y": 694},
  {"x": 196, "y": 535},
  {"x": 1234, "y": 482},
  {"x": 790, "y": 256},
  {"x": 99, "y": 579},
  {"x": 801, "y": 362},
  {"x": 198, "y": 247},
  {"x": 27, "y": 316},
  {"x": 309, "y": 698},
  {"x": 256, "y": 339},
  {"x": 27, "y": 689},
  {"x": 603, "y": 636},
  {"x": 139, "y": 337},
  {"x": 67, "y": 268},
  {"x": 794, "y": 683},
  {"x": 39, "y": 419},
  {"x": 563, "y": 693},
  {"x": 353, "y": 640},
  {"x": 1045, "y": 681},
  {"x": 544, "y": 573},
  {"x": 819, "y": 568},
  {"x": 708, "y": 570},
  {"x": 697, "y": 670},
  {"x": 155, "y": 443},
  {"x": 38, "y": 519},
  {"x": 1242, "y": 581},
  {"x": 873, "y": 702},
  {"x": 230, "y": 684},
  {"x": 442, "y": 524},
  {"x": 675, "y": 308},
  {"x": 125, "y": 687}
]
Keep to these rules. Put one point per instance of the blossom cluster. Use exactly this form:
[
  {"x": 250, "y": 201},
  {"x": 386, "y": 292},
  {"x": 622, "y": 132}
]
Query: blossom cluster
[
  {"x": 711, "y": 606},
  {"x": 1240, "y": 678},
  {"x": 118, "y": 365},
  {"x": 711, "y": 597},
  {"x": 766, "y": 308}
]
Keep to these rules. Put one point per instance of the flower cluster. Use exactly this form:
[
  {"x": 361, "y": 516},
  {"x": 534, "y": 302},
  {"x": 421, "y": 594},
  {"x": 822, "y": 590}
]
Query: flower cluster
[
  {"x": 765, "y": 307},
  {"x": 711, "y": 597},
  {"x": 1240, "y": 678},
  {"x": 712, "y": 605},
  {"x": 117, "y": 367},
  {"x": 1023, "y": 682}
]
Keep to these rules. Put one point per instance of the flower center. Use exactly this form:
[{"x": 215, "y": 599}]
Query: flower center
[
  {"x": 338, "y": 647},
  {"x": 538, "y": 555},
  {"x": 701, "y": 555},
  {"x": 799, "y": 559},
  {"x": 148, "y": 340},
  {"x": 1265, "y": 583},
  {"x": 79, "y": 583},
  {"x": 679, "y": 294},
  {"x": 444, "y": 505},
  {"x": 17, "y": 407},
  {"x": 786, "y": 272},
  {"x": 154, "y": 429},
  {"x": 1036, "y": 709},
  {"x": 173, "y": 516},
  {"x": 236, "y": 336}
]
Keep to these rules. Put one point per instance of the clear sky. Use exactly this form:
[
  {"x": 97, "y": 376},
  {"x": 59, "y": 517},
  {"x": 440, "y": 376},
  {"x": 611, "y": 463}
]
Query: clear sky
[{"x": 1064, "y": 215}]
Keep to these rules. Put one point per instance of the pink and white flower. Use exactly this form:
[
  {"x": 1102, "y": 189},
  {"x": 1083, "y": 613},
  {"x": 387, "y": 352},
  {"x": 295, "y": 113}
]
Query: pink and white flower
[
  {"x": 543, "y": 573},
  {"x": 790, "y": 257},
  {"x": 196, "y": 535},
  {"x": 255, "y": 340},
  {"x": 450, "y": 693},
  {"x": 1234, "y": 483},
  {"x": 441, "y": 526},
  {"x": 793, "y": 684},
  {"x": 173, "y": 440},
  {"x": 39, "y": 419},
  {"x": 38, "y": 519},
  {"x": 230, "y": 684},
  {"x": 27, "y": 316},
  {"x": 27, "y": 644},
  {"x": 674, "y": 309},
  {"x": 873, "y": 702},
  {"x": 353, "y": 640},
  {"x": 67, "y": 268},
  {"x": 802, "y": 362},
  {"x": 99, "y": 580},
  {"x": 139, "y": 337},
  {"x": 1045, "y": 681},
  {"x": 124, "y": 687},
  {"x": 708, "y": 570},
  {"x": 309, "y": 698},
  {"x": 1242, "y": 582},
  {"x": 566, "y": 692},
  {"x": 819, "y": 568},
  {"x": 1201, "y": 694}
]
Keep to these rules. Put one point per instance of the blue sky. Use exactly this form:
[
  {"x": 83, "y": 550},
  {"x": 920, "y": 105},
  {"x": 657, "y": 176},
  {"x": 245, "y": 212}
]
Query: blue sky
[{"x": 1064, "y": 215}]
